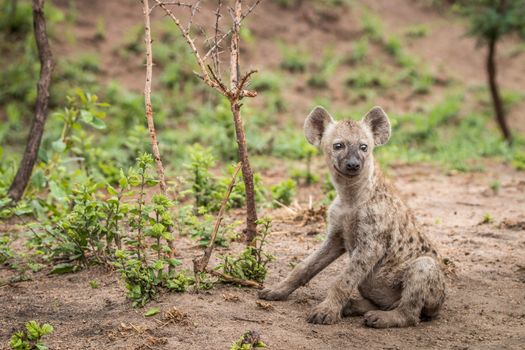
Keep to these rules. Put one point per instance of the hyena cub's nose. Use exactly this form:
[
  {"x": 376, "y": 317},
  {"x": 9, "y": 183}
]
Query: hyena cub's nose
[{"x": 353, "y": 165}]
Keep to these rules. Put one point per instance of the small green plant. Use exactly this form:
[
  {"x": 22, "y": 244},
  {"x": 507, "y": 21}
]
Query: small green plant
[
  {"x": 417, "y": 31},
  {"x": 100, "y": 32},
  {"x": 372, "y": 26},
  {"x": 329, "y": 190},
  {"x": 293, "y": 60},
  {"x": 487, "y": 219},
  {"x": 251, "y": 263},
  {"x": 323, "y": 71},
  {"x": 248, "y": 341},
  {"x": 202, "y": 188},
  {"x": 393, "y": 46},
  {"x": 200, "y": 228},
  {"x": 368, "y": 77},
  {"x": 283, "y": 192},
  {"x": 31, "y": 338},
  {"x": 359, "y": 50},
  {"x": 495, "y": 186},
  {"x": 5, "y": 249},
  {"x": 309, "y": 152},
  {"x": 518, "y": 162},
  {"x": 94, "y": 284}
]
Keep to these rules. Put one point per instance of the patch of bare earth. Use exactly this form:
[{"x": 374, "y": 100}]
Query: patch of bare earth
[{"x": 485, "y": 307}]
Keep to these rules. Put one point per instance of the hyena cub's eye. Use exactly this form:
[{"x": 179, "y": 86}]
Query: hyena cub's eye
[
  {"x": 338, "y": 146},
  {"x": 363, "y": 147}
]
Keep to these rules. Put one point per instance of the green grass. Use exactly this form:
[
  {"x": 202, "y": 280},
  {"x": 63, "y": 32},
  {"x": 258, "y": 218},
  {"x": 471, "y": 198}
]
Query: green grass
[{"x": 444, "y": 135}]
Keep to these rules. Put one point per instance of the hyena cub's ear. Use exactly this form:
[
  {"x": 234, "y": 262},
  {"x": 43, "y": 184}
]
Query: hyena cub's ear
[
  {"x": 377, "y": 120},
  {"x": 315, "y": 125}
]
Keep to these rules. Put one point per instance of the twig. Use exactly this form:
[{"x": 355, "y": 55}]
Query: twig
[
  {"x": 237, "y": 318},
  {"x": 240, "y": 88},
  {"x": 13, "y": 280},
  {"x": 193, "y": 9},
  {"x": 285, "y": 207},
  {"x": 205, "y": 76},
  {"x": 199, "y": 265},
  {"x": 175, "y": 3},
  {"x": 218, "y": 80},
  {"x": 211, "y": 50},
  {"x": 215, "y": 38},
  {"x": 228, "y": 278}
]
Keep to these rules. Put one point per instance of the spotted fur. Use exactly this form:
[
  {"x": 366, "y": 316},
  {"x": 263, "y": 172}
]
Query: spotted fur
[{"x": 393, "y": 278}]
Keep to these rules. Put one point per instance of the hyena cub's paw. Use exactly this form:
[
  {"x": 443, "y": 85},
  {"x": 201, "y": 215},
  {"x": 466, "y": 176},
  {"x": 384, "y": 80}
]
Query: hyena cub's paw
[
  {"x": 324, "y": 314},
  {"x": 387, "y": 319},
  {"x": 272, "y": 294}
]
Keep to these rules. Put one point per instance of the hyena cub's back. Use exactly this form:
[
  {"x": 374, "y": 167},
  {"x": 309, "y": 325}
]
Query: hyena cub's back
[{"x": 393, "y": 268}]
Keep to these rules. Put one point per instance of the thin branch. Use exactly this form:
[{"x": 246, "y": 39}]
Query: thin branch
[
  {"x": 219, "y": 81},
  {"x": 199, "y": 265},
  {"x": 234, "y": 47},
  {"x": 205, "y": 76},
  {"x": 212, "y": 49},
  {"x": 215, "y": 37},
  {"x": 172, "y": 3},
  {"x": 240, "y": 92},
  {"x": 193, "y": 9}
]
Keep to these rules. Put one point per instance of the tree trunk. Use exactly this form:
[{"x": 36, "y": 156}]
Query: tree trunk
[
  {"x": 37, "y": 127},
  {"x": 247, "y": 176},
  {"x": 149, "y": 113},
  {"x": 247, "y": 173},
  {"x": 147, "y": 98},
  {"x": 494, "y": 91}
]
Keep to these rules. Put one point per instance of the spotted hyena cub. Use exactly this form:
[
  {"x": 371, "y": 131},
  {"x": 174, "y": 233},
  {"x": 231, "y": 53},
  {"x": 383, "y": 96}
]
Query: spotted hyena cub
[{"x": 393, "y": 277}]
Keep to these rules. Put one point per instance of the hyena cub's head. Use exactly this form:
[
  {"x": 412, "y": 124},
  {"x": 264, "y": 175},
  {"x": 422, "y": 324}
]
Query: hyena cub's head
[{"x": 347, "y": 144}]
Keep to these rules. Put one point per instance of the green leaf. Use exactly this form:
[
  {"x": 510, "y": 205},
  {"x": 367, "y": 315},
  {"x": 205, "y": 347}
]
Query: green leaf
[
  {"x": 152, "y": 312},
  {"x": 47, "y": 329},
  {"x": 33, "y": 330},
  {"x": 63, "y": 268},
  {"x": 86, "y": 116},
  {"x": 159, "y": 265},
  {"x": 38, "y": 179},
  {"x": 111, "y": 190},
  {"x": 174, "y": 262},
  {"x": 58, "y": 146},
  {"x": 41, "y": 346},
  {"x": 42, "y": 155},
  {"x": 97, "y": 123},
  {"x": 56, "y": 191}
]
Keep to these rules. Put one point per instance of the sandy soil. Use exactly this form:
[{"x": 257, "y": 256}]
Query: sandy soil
[{"x": 485, "y": 308}]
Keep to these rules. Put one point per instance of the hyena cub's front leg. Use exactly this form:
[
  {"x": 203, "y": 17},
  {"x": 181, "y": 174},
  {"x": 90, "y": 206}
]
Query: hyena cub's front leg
[
  {"x": 331, "y": 249},
  {"x": 362, "y": 260}
]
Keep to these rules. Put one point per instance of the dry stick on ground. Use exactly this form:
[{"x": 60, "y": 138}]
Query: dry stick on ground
[
  {"x": 228, "y": 278},
  {"x": 199, "y": 265},
  {"x": 234, "y": 94},
  {"x": 149, "y": 111},
  {"x": 34, "y": 139}
]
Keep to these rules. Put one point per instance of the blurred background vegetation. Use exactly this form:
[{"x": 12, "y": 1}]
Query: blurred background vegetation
[{"x": 347, "y": 55}]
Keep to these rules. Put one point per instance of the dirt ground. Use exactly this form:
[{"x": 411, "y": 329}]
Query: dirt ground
[{"x": 485, "y": 307}]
